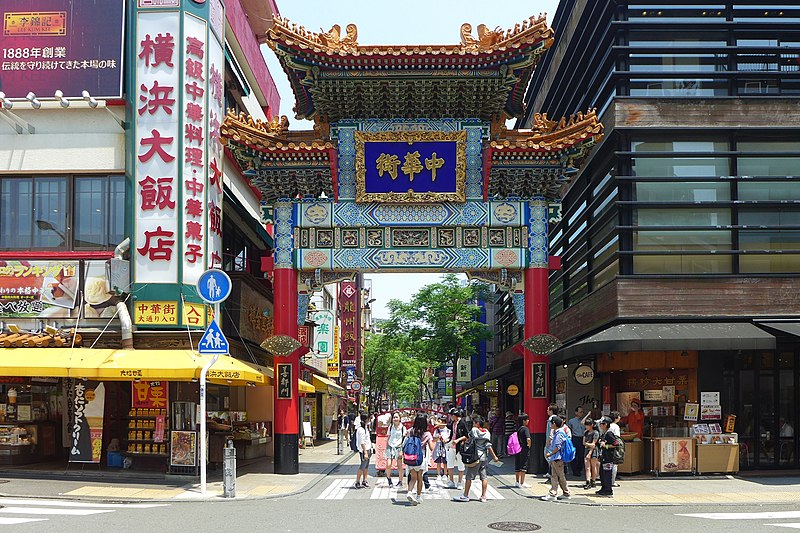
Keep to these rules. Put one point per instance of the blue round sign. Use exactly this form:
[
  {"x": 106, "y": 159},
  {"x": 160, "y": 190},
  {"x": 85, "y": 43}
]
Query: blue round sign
[{"x": 214, "y": 286}]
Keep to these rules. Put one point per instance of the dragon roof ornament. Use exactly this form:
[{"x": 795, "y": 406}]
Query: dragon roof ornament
[{"x": 531, "y": 31}]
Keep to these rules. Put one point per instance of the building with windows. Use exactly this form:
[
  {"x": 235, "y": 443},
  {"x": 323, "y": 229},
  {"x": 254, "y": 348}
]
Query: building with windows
[
  {"x": 680, "y": 237},
  {"x": 115, "y": 192}
]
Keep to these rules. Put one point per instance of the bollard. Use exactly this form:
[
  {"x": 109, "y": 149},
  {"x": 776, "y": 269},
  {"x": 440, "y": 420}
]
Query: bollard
[{"x": 229, "y": 471}]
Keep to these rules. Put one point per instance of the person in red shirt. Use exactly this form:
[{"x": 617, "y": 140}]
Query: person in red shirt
[{"x": 635, "y": 419}]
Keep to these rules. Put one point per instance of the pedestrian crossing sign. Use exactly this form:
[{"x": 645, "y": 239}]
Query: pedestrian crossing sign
[{"x": 214, "y": 341}]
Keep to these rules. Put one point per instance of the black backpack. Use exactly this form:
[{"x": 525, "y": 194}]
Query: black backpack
[
  {"x": 618, "y": 453},
  {"x": 469, "y": 452}
]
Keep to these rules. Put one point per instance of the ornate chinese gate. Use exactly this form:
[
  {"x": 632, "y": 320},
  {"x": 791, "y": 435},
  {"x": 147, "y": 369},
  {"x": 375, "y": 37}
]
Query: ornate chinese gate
[{"x": 409, "y": 168}]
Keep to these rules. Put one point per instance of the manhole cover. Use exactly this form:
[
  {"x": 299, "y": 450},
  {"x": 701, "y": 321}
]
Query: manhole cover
[{"x": 515, "y": 526}]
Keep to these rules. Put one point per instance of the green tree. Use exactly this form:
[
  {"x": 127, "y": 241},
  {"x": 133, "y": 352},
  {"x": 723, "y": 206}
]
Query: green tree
[
  {"x": 441, "y": 323},
  {"x": 389, "y": 370}
]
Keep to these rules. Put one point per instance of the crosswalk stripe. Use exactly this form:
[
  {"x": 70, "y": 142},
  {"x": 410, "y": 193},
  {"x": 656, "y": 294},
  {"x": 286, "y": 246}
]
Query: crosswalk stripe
[
  {"x": 795, "y": 525},
  {"x": 334, "y": 484},
  {"x": 344, "y": 489},
  {"x": 745, "y": 516},
  {"x": 67, "y": 503},
  {"x": 8, "y": 521},
  {"x": 48, "y": 511}
]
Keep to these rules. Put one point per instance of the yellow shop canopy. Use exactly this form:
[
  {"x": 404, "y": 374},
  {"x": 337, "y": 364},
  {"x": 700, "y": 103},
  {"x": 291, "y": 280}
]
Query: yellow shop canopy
[
  {"x": 306, "y": 387},
  {"x": 128, "y": 365},
  {"x": 321, "y": 383},
  {"x": 44, "y": 362}
]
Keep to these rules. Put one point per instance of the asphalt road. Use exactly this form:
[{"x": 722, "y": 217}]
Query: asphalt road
[{"x": 332, "y": 506}]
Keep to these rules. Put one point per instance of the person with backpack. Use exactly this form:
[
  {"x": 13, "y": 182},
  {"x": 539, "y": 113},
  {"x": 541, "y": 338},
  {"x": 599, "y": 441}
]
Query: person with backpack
[
  {"x": 475, "y": 455},
  {"x": 608, "y": 443},
  {"x": 509, "y": 427},
  {"x": 614, "y": 428},
  {"x": 519, "y": 445},
  {"x": 560, "y": 452},
  {"x": 364, "y": 447},
  {"x": 394, "y": 449},
  {"x": 416, "y": 449}
]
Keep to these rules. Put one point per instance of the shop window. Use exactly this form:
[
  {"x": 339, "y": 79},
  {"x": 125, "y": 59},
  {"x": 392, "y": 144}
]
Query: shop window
[{"x": 36, "y": 212}]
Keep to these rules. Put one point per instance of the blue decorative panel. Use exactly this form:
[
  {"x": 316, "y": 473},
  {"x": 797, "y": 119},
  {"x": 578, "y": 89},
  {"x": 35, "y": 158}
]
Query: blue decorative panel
[
  {"x": 537, "y": 220},
  {"x": 506, "y": 213},
  {"x": 347, "y": 162},
  {"x": 317, "y": 214},
  {"x": 283, "y": 234},
  {"x": 472, "y": 213},
  {"x": 302, "y": 308},
  {"x": 518, "y": 299}
]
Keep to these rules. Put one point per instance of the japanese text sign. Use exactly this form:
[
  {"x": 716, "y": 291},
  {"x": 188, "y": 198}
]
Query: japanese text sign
[
  {"x": 149, "y": 394},
  {"x": 66, "y": 45},
  {"x": 349, "y": 317},
  {"x": 283, "y": 380},
  {"x": 410, "y": 166},
  {"x": 155, "y": 313},
  {"x": 323, "y": 334},
  {"x": 38, "y": 288},
  {"x": 157, "y": 118},
  {"x": 333, "y": 362}
]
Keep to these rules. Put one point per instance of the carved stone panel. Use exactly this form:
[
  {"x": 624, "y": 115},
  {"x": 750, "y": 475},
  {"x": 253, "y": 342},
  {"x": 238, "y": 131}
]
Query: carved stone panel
[
  {"x": 324, "y": 238},
  {"x": 446, "y": 237},
  {"x": 497, "y": 237},
  {"x": 472, "y": 237},
  {"x": 349, "y": 238}
]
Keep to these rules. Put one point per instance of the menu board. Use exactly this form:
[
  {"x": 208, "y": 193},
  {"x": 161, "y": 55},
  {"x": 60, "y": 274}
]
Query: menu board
[{"x": 677, "y": 455}]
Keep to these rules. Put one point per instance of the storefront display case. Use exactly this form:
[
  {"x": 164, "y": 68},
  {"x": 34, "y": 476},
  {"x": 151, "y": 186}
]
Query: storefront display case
[
  {"x": 717, "y": 453},
  {"x": 16, "y": 445}
]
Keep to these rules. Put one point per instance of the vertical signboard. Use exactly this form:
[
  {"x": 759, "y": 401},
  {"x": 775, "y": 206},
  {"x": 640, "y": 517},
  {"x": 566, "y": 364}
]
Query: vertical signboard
[
  {"x": 283, "y": 380},
  {"x": 539, "y": 380},
  {"x": 157, "y": 121},
  {"x": 87, "y": 403},
  {"x": 215, "y": 102},
  {"x": 193, "y": 91},
  {"x": 323, "y": 334},
  {"x": 333, "y": 362},
  {"x": 179, "y": 95},
  {"x": 348, "y": 313}
]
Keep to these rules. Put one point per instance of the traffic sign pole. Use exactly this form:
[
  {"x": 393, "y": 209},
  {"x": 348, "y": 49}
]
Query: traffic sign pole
[
  {"x": 203, "y": 441},
  {"x": 213, "y": 286}
]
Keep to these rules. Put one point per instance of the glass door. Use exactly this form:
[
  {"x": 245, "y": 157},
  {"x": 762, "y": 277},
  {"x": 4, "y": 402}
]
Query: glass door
[{"x": 787, "y": 451}]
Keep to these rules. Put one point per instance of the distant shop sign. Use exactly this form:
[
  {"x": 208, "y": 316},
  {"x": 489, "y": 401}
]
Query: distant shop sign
[{"x": 67, "y": 45}]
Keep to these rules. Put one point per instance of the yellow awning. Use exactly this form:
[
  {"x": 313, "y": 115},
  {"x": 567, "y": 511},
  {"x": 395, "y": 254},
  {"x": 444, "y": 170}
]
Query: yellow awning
[
  {"x": 306, "y": 387},
  {"x": 44, "y": 362},
  {"x": 128, "y": 365},
  {"x": 321, "y": 383},
  {"x": 465, "y": 392}
]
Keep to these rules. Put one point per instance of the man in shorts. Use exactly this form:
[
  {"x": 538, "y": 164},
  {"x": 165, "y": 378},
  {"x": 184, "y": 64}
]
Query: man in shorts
[{"x": 452, "y": 455}]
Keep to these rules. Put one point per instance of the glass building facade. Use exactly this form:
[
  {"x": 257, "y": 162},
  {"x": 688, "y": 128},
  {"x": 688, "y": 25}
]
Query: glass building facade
[{"x": 689, "y": 210}]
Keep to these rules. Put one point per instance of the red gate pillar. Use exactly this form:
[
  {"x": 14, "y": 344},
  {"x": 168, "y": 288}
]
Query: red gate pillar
[
  {"x": 284, "y": 285},
  {"x": 537, "y": 321}
]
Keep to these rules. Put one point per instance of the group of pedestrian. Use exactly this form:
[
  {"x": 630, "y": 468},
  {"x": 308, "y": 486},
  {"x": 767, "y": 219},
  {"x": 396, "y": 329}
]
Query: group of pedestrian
[{"x": 591, "y": 448}]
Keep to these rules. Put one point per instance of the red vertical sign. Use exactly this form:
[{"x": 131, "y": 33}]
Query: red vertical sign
[{"x": 349, "y": 317}]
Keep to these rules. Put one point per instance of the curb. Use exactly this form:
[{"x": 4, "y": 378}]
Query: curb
[
  {"x": 308, "y": 486},
  {"x": 588, "y": 501}
]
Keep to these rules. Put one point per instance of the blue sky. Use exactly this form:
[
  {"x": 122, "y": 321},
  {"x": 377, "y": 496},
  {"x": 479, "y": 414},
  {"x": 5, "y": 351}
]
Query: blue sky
[{"x": 404, "y": 22}]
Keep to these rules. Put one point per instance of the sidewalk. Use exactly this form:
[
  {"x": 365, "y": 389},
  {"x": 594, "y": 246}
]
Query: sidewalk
[
  {"x": 254, "y": 480},
  {"x": 649, "y": 491}
]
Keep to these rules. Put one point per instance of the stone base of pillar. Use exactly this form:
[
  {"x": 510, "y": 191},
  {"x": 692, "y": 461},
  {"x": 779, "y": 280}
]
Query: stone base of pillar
[{"x": 287, "y": 453}]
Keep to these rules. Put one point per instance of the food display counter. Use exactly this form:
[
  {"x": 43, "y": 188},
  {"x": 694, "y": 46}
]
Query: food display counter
[
  {"x": 634, "y": 458},
  {"x": 717, "y": 453},
  {"x": 16, "y": 445}
]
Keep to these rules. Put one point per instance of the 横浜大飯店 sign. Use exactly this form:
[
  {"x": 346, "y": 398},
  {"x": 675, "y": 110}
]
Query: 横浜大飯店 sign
[{"x": 419, "y": 166}]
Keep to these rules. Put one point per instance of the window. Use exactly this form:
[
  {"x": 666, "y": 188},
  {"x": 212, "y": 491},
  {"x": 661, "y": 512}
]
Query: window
[
  {"x": 35, "y": 212},
  {"x": 678, "y": 62},
  {"x": 682, "y": 264},
  {"x": 691, "y": 87},
  {"x": 681, "y": 217},
  {"x": 673, "y": 39},
  {"x": 670, "y": 13},
  {"x": 769, "y": 191},
  {"x": 682, "y": 192}
]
